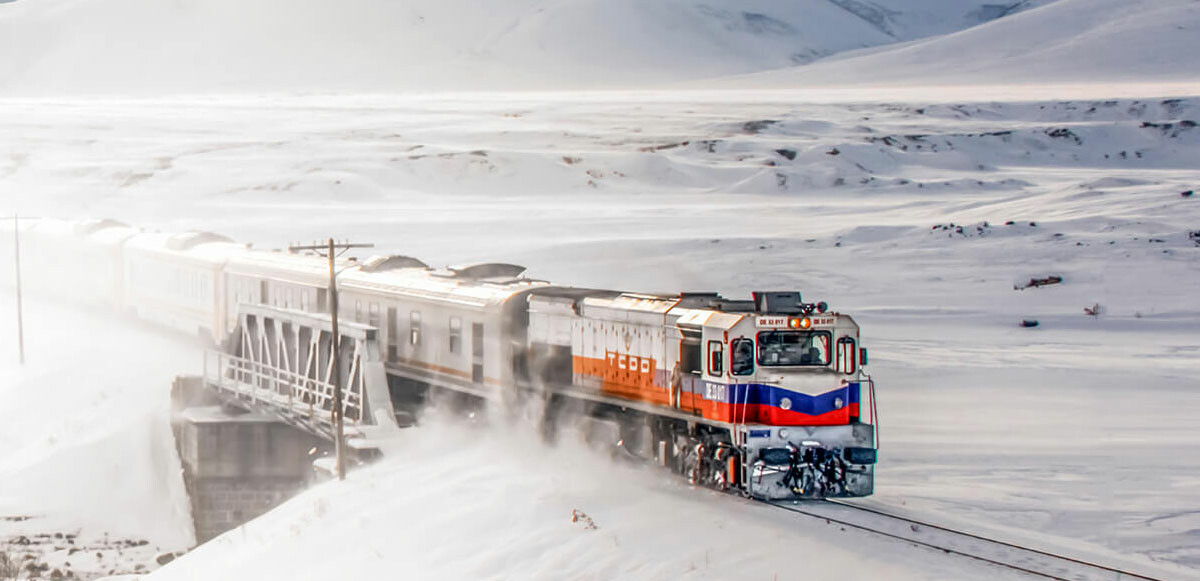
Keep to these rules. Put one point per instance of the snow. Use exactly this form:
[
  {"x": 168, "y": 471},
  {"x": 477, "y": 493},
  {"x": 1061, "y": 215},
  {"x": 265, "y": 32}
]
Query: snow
[
  {"x": 499, "y": 511},
  {"x": 88, "y": 450}
]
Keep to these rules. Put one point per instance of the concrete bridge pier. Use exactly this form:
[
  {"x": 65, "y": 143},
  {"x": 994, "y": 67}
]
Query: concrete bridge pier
[{"x": 237, "y": 464}]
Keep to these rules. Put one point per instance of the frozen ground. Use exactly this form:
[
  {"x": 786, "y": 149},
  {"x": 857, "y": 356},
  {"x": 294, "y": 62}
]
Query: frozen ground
[
  {"x": 89, "y": 480},
  {"x": 1076, "y": 433}
]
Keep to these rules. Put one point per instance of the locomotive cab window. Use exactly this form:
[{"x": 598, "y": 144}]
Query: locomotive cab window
[
  {"x": 716, "y": 363},
  {"x": 793, "y": 348},
  {"x": 414, "y": 329},
  {"x": 741, "y": 360}
]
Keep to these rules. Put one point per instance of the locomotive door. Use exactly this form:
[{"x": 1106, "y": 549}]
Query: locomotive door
[
  {"x": 691, "y": 381},
  {"x": 713, "y": 393}
]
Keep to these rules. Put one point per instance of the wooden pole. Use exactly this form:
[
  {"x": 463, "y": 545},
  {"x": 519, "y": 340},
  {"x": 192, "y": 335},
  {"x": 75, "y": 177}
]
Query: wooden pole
[
  {"x": 330, "y": 250},
  {"x": 20, "y": 314},
  {"x": 339, "y": 440}
]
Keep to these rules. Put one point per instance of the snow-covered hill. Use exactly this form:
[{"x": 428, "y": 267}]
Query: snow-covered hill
[
  {"x": 133, "y": 46},
  {"x": 1096, "y": 42}
]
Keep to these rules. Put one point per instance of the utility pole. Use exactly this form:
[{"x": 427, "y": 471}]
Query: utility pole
[
  {"x": 332, "y": 250},
  {"x": 20, "y": 315}
]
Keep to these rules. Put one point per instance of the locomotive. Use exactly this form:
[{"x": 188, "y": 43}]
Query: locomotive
[{"x": 766, "y": 396}]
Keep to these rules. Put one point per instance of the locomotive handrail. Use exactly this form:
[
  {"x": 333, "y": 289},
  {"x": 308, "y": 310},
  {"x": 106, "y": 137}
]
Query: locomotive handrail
[{"x": 874, "y": 410}]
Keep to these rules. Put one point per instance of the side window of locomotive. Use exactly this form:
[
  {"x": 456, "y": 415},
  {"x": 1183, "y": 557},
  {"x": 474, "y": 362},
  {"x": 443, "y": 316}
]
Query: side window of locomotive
[
  {"x": 847, "y": 355},
  {"x": 742, "y": 358},
  {"x": 414, "y": 329},
  {"x": 373, "y": 315},
  {"x": 689, "y": 355},
  {"x": 787, "y": 348},
  {"x": 455, "y": 334},
  {"x": 716, "y": 355}
]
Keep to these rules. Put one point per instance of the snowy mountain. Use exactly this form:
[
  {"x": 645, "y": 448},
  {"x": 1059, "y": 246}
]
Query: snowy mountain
[
  {"x": 132, "y": 46},
  {"x": 1070, "y": 41}
]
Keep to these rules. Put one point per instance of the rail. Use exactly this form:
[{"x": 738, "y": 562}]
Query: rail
[{"x": 1013, "y": 556}]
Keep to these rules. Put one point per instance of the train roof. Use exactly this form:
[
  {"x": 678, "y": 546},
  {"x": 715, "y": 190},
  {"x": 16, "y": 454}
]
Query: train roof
[
  {"x": 685, "y": 309},
  {"x": 107, "y": 232},
  {"x": 308, "y": 268},
  {"x": 49, "y": 226},
  {"x": 203, "y": 246},
  {"x": 466, "y": 285}
]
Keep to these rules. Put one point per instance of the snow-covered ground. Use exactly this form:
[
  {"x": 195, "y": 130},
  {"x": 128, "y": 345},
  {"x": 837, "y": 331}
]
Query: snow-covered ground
[
  {"x": 1077, "y": 433},
  {"x": 90, "y": 482}
]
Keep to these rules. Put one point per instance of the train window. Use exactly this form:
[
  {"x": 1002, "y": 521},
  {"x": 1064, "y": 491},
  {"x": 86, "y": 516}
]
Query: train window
[
  {"x": 414, "y": 328},
  {"x": 716, "y": 363},
  {"x": 847, "y": 355},
  {"x": 689, "y": 353},
  {"x": 373, "y": 314},
  {"x": 358, "y": 311},
  {"x": 786, "y": 348},
  {"x": 477, "y": 340},
  {"x": 741, "y": 360},
  {"x": 455, "y": 334}
]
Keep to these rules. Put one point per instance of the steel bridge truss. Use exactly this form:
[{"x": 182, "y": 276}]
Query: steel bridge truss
[{"x": 280, "y": 362}]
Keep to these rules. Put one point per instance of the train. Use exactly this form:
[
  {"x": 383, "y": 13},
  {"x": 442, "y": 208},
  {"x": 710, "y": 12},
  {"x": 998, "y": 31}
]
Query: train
[{"x": 766, "y": 396}]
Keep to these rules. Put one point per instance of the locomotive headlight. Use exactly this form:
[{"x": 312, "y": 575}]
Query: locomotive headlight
[
  {"x": 785, "y": 403},
  {"x": 838, "y": 403},
  {"x": 800, "y": 323}
]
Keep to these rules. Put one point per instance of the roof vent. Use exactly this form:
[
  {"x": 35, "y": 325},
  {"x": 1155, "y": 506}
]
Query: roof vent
[
  {"x": 488, "y": 270},
  {"x": 391, "y": 262},
  {"x": 190, "y": 240},
  {"x": 90, "y": 226},
  {"x": 777, "y": 302}
]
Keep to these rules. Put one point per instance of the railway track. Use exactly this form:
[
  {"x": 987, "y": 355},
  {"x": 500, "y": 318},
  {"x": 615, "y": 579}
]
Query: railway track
[{"x": 1030, "y": 561}]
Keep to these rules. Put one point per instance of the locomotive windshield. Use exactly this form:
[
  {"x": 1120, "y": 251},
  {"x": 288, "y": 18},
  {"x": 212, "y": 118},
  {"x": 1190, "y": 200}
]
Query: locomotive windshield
[
  {"x": 743, "y": 357},
  {"x": 786, "y": 348}
]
